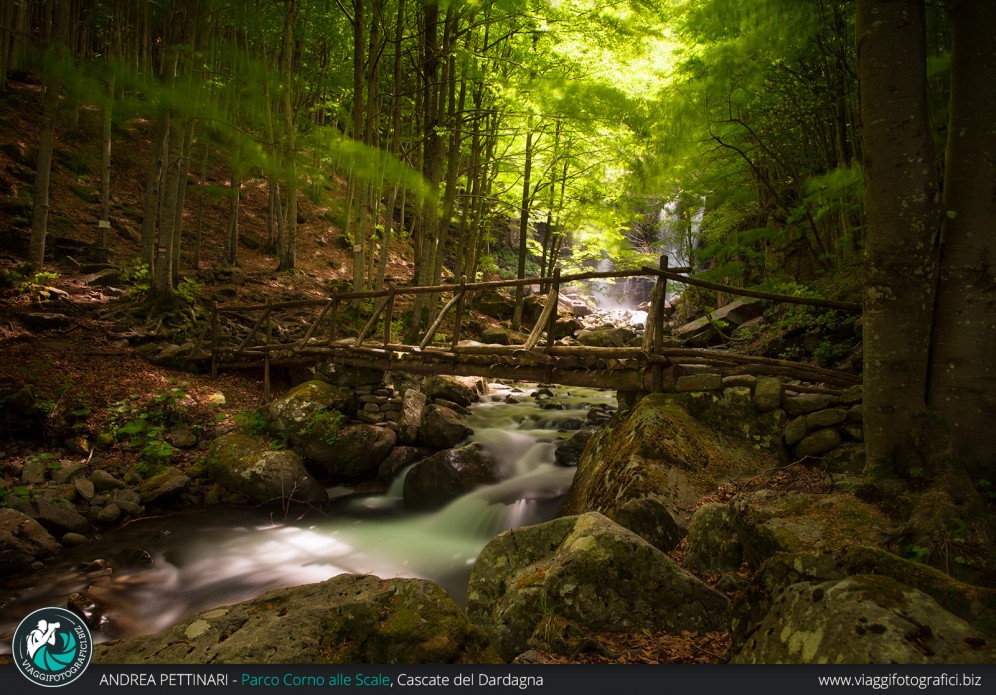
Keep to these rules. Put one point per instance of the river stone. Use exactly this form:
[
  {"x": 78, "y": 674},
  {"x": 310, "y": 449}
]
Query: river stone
[
  {"x": 829, "y": 417},
  {"x": 817, "y": 443},
  {"x": 33, "y": 472},
  {"x": 109, "y": 514},
  {"x": 67, "y": 473},
  {"x": 84, "y": 488},
  {"x": 349, "y": 619},
  {"x": 770, "y": 521},
  {"x": 566, "y": 326},
  {"x": 434, "y": 481},
  {"x": 298, "y": 412},
  {"x": 248, "y": 465},
  {"x": 104, "y": 481},
  {"x": 615, "y": 336},
  {"x": 658, "y": 451},
  {"x": 495, "y": 303},
  {"x": 163, "y": 486},
  {"x": 650, "y": 519},
  {"x": 498, "y": 335},
  {"x": 400, "y": 457},
  {"x": 412, "y": 411},
  {"x": 587, "y": 572},
  {"x": 353, "y": 453},
  {"x": 805, "y": 403},
  {"x": 56, "y": 518},
  {"x": 713, "y": 545},
  {"x": 23, "y": 541},
  {"x": 767, "y": 393},
  {"x": 851, "y": 396},
  {"x": 853, "y": 432},
  {"x": 859, "y": 620},
  {"x": 795, "y": 430},
  {"x": 441, "y": 428},
  {"x": 569, "y": 451},
  {"x": 462, "y": 390},
  {"x": 348, "y": 377},
  {"x": 856, "y": 413}
]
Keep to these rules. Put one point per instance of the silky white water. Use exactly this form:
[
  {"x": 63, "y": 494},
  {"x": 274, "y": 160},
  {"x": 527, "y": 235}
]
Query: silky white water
[{"x": 215, "y": 556}]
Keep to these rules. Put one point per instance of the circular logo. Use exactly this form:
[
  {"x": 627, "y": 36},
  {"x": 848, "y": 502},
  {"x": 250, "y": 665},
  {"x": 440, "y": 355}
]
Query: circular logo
[{"x": 52, "y": 647}]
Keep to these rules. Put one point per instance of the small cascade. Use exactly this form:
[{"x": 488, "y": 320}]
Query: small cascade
[{"x": 206, "y": 558}]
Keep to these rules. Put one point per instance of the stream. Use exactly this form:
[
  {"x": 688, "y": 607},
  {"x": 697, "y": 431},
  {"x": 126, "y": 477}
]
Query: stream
[{"x": 155, "y": 572}]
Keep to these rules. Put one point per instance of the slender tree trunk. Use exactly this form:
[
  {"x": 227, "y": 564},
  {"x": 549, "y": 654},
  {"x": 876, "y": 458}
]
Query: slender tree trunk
[
  {"x": 105, "y": 169},
  {"x": 523, "y": 225},
  {"x": 288, "y": 258},
  {"x": 232, "y": 228},
  {"x": 162, "y": 279},
  {"x": 150, "y": 215},
  {"x": 963, "y": 374},
  {"x": 50, "y": 104},
  {"x": 903, "y": 217},
  {"x": 181, "y": 195}
]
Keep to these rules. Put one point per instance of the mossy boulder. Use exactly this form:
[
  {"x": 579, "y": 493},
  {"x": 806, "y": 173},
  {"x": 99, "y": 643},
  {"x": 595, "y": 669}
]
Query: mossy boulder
[
  {"x": 164, "y": 486},
  {"x": 771, "y": 521},
  {"x": 858, "y": 620},
  {"x": 348, "y": 453},
  {"x": 713, "y": 544},
  {"x": 22, "y": 542},
  {"x": 587, "y": 572},
  {"x": 659, "y": 451},
  {"x": 973, "y": 604},
  {"x": 349, "y": 619},
  {"x": 462, "y": 390},
  {"x": 441, "y": 428},
  {"x": 733, "y": 412},
  {"x": 305, "y": 408},
  {"x": 248, "y": 465}
]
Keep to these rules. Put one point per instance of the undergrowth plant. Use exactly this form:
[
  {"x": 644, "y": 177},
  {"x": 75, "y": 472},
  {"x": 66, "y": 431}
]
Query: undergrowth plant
[{"x": 142, "y": 424}]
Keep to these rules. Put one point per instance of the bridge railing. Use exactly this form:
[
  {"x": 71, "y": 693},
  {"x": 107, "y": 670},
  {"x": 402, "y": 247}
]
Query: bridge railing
[{"x": 308, "y": 330}]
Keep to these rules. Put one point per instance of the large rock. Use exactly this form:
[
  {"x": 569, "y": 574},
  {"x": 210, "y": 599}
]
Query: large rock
[
  {"x": 495, "y": 303},
  {"x": 770, "y": 521},
  {"x": 732, "y": 412},
  {"x": 249, "y": 466},
  {"x": 348, "y": 619},
  {"x": 862, "y": 619},
  {"x": 441, "y": 428},
  {"x": 588, "y": 572},
  {"x": 163, "y": 486},
  {"x": 498, "y": 335},
  {"x": 412, "y": 411},
  {"x": 568, "y": 452},
  {"x": 973, "y": 604},
  {"x": 713, "y": 544},
  {"x": 446, "y": 475},
  {"x": 308, "y": 408},
  {"x": 767, "y": 393},
  {"x": 462, "y": 390},
  {"x": 399, "y": 458},
  {"x": 659, "y": 452},
  {"x": 605, "y": 337},
  {"x": 22, "y": 542},
  {"x": 348, "y": 377},
  {"x": 351, "y": 453},
  {"x": 56, "y": 518}
]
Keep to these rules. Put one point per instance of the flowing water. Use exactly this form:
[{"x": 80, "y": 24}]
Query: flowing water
[{"x": 158, "y": 571}]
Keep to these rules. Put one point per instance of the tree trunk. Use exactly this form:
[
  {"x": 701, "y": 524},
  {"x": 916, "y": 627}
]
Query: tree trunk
[
  {"x": 50, "y": 104},
  {"x": 105, "y": 169},
  {"x": 288, "y": 258},
  {"x": 152, "y": 181},
  {"x": 902, "y": 216},
  {"x": 523, "y": 225},
  {"x": 162, "y": 279},
  {"x": 963, "y": 374}
]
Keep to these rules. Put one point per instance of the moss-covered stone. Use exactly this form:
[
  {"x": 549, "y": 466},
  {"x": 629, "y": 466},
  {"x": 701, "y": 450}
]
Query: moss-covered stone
[
  {"x": 163, "y": 486},
  {"x": 713, "y": 544},
  {"x": 247, "y": 465},
  {"x": 347, "y": 619},
  {"x": 862, "y": 619},
  {"x": 588, "y": 572},
  {"x": 770, "y": 521},
  {"x": 659, "y": 451}
]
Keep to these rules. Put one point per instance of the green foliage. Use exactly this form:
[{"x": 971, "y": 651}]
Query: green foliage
[
  {"x": 252, "y": 422},
  {"x": 137, "y": 278},
  {"x": 142, "y": 423}
]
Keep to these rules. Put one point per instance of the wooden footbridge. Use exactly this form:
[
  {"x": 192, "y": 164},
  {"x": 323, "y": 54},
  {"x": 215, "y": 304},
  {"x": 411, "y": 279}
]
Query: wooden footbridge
[{"x": 305, "y": 332}]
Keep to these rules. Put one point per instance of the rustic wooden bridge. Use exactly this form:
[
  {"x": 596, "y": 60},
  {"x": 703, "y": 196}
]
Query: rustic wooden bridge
[{"x": 305, "y": 332}]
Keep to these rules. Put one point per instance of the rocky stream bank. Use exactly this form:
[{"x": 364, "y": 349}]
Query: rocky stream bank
[{"x": 699, "y": 512}]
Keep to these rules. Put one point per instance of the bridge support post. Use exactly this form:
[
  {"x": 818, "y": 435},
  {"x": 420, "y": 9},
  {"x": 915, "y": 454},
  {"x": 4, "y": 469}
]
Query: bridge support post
[
  {"x": 266, "y": 357},
  {"x": 657, "y": 316}
]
